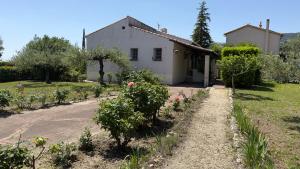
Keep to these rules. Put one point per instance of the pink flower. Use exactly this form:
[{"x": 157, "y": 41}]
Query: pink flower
[
  {"x": 177, "y": 98},
  {"x": 130, "y": 84}
]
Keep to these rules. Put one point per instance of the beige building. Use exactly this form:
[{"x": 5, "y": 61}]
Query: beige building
[
  {"x": 266, "y": 39},
  {"x": 174, "y": 59}
]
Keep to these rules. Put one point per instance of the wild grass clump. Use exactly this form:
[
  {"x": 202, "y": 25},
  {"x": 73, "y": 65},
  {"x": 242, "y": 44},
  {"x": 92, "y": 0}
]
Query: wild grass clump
[
  {"x": 165, "y": 144},
  {"x": 134, "y": 161},
  {"x": 85, "y": 141},
  {"x": 255, "y": 147}
]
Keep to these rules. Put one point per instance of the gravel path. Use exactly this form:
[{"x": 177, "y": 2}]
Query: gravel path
[{"x": 207, "y": 145}]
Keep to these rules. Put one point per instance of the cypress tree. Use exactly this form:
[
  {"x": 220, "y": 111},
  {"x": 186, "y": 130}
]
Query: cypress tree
[
  {"x": 201, "y": 34},
  {"x": 83, "y": 39}
]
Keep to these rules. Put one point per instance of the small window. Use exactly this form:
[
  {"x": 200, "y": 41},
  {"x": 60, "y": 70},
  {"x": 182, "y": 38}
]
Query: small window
[
  {"x": 123, "y": 27},
  {"x": 157, "y": 54},
  {"x": 134, "y": 53}
]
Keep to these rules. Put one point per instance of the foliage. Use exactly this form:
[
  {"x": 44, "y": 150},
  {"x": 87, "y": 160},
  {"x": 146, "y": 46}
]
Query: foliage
[
  {"x": 30, "y": 100},
  {"x": 97, "y": 90},
  {"x": 85, "y": 141},
  {"x": 166, "y": 143},
  {"x": 81, "y": 91},
  {"x": 176, "y": 103},
  {"x": 290, "y": 49},
  {"x": 134, "y": 161},
  {"x": 109, "y": 77},
  {"x": 147, "y": 98},
  {"x": 201, "y": 34},
  {"x": 5, "y": 98},
  {"x": 42, "y": 98},
  {"x": 255, "y": 147},
  {"x": 240, "y": 51},
  {"x": 63, "y": 153},
  {"x": 217, "y": 48},
  {"x": 1, "y": 47},
  {"x": 8, "y": 73},
  {"x": 20, "y": 101},
  {"x": 60, "y": 95},
  {"x": 119, "y": 118},
  {"x": 14, "y": 156},
  {"x": 115, "y": 56},
  {"x": 167, "y": 112},
  {"x": 43, "y": 57},
  {"x": 239, "y": 69},
  {"x": 274, "y": 68},
  {"x": 141, "y": 76}
]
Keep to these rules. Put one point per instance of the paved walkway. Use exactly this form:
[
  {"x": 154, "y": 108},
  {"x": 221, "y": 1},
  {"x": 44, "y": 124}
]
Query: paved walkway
[
  {"x": 207, "y": 145},
  {"x": 61, "y": 123}
]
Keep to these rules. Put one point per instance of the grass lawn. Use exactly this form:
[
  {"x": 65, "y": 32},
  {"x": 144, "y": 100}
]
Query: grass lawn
[
  {"x": 39, "y": 88},
  {"x": 275, "y": 109}
]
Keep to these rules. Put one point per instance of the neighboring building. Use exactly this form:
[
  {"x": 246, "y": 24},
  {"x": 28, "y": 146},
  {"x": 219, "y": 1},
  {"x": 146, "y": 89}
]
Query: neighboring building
[
  {"x": 266, "y": 39},
  {"x": 174, "y": 59}
]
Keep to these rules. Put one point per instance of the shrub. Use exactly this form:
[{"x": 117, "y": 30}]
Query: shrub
[
  {"x": 8, "y": 73},
  {"x": 63, "y": 154},
  {"x": 134, "y": 161},
  {"x": 42, "y": 98},
  {"x": 142, "y": 76},
  {"x": 82, "y": 77},
  {"x": 81, "y": 91},
  {"x": 109, "y": 77},
  {"x": 20, "y": 101},
  {"x": 147, "y": 98},
  {"x": 85, "y": 141},
  {"x": 176, "y": 103},
  {"x": 119, "y": 118},
  {"x": 60, "y": 95},
  {"x": 242, "y": 69},
  {"x": 14, "y": 156},
  {"x": 5, "y": 98},
  {"x": 97, "y": 90},
  {"x": 30, "y": 100},
  {"x": 240, "y": 50}
]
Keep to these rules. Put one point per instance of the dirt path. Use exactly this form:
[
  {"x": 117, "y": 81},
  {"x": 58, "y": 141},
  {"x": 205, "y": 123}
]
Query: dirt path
[{"x": 207, "y": 145}]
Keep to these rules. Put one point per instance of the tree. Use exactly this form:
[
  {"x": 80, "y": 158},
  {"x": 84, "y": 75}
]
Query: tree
[
  {"x": 100, "y": 55},
  {"x": 201, "y": 34},
  {"x": 44, "y": 54},
  {"x": 1, "y": 47},
  {"x": 83, "y": 39}
]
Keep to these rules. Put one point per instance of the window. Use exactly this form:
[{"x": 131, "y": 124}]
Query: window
[
  {"x": 134, "y": 52},
  {"x": 157, "y": 54}
]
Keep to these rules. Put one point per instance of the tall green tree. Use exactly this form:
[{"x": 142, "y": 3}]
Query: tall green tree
[
  {"x": 83, "y": 39},
  {"x": 1, "y": 47},
  {"x": 44, "y": 54},
  {"x": 100, "y": 55},
  {"x": 201, "y": 34}
]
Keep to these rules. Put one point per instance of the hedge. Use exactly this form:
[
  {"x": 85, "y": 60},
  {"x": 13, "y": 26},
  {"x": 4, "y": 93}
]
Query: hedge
[
  {"x": 8, "y": 73},
  {"x": 240, "y": 50}
]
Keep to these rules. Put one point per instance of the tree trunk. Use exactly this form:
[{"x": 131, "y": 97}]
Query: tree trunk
[
  {"x": 101, "y": 72},
  {"x": 47, "y": 78},
  {"x": 232, "y": 84}
]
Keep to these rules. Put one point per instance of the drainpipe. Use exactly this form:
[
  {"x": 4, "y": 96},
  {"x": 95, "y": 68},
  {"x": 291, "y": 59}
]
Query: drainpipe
[{"x": 267, "y": 36}]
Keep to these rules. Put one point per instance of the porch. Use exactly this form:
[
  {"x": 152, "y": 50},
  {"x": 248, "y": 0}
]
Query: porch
[{"x": 193, "y": 64}]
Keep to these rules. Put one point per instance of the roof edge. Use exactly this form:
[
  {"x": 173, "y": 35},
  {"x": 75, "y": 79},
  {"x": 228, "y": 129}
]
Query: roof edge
[{"x": 249, "y": 25}]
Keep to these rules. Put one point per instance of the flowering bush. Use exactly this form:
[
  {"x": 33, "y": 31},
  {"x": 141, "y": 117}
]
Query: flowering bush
[
  {"x": 147, "y": 98},
  {"x": 176, "y": 103},
  {"x": 119, "y": 118}
]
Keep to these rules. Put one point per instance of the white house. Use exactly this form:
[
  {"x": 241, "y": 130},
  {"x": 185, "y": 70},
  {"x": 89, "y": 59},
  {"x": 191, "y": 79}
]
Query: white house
[
  {"x": 266, "y": 39},
  {"x": 174, "y": 59}
]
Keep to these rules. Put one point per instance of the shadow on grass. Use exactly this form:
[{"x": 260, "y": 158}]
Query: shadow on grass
[
  {"x": 115, "y": 153},
  {"x": 157, "y": 129},
  {"x": 295, "y": 128},
  {"x": 244, "y": 96},
  {"x": 291, "y": 119}
]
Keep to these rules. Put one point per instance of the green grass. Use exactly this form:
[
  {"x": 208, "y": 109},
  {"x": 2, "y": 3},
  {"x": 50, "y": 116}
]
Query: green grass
[
  {"x": 275, "y": 109},
  {"x": 40, "y": 88}
]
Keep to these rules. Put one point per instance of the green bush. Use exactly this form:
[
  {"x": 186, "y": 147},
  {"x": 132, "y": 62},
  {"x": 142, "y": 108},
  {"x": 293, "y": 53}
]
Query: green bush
[
  {"x": 42, "y": 98},
  {"x": 14, "y": 156},
  {"x": 85, "y": 141},
  {"x": 176, "y": 103},
  {"x": 8, "y": 73},
  {"x": 30, "y": 100},
  {"x": 240, "y": 50},
  {"x": 142, "y": 76},
  {"x": 147, "y": 98},
  {"x": 97, "y": 90},
  {"x": 119, "y": 118},
  {"x": 243, "y": 68},
  {"x": 81, "y": 91},
  {"x": 63, "y": 154},
  {"x": 82, "y": 77},
  {"x": 109, "y": 77},
  {"x": 61, "y": 95},
  {"x": 5, "y": 98}
]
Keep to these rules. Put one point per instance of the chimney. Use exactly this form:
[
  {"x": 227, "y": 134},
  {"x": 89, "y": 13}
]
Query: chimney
[
  {"x": 267, "y": 39},
  {"x": 164, "y": 30}
]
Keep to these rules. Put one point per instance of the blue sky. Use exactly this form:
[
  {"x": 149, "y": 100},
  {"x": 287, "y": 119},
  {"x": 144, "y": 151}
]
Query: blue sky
[{"x": 21, "y": 20}]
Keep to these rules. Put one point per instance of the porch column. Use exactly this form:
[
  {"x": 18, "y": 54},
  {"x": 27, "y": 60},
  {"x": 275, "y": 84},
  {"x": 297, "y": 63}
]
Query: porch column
[{"x": 206, "y": 70}]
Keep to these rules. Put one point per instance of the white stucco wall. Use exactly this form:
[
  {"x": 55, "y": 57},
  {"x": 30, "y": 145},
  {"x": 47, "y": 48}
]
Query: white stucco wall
[
  {"x": 256, "y": 36},
  {"x": 115, "y": 36},
  {"x": 180, "y": 63}
]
